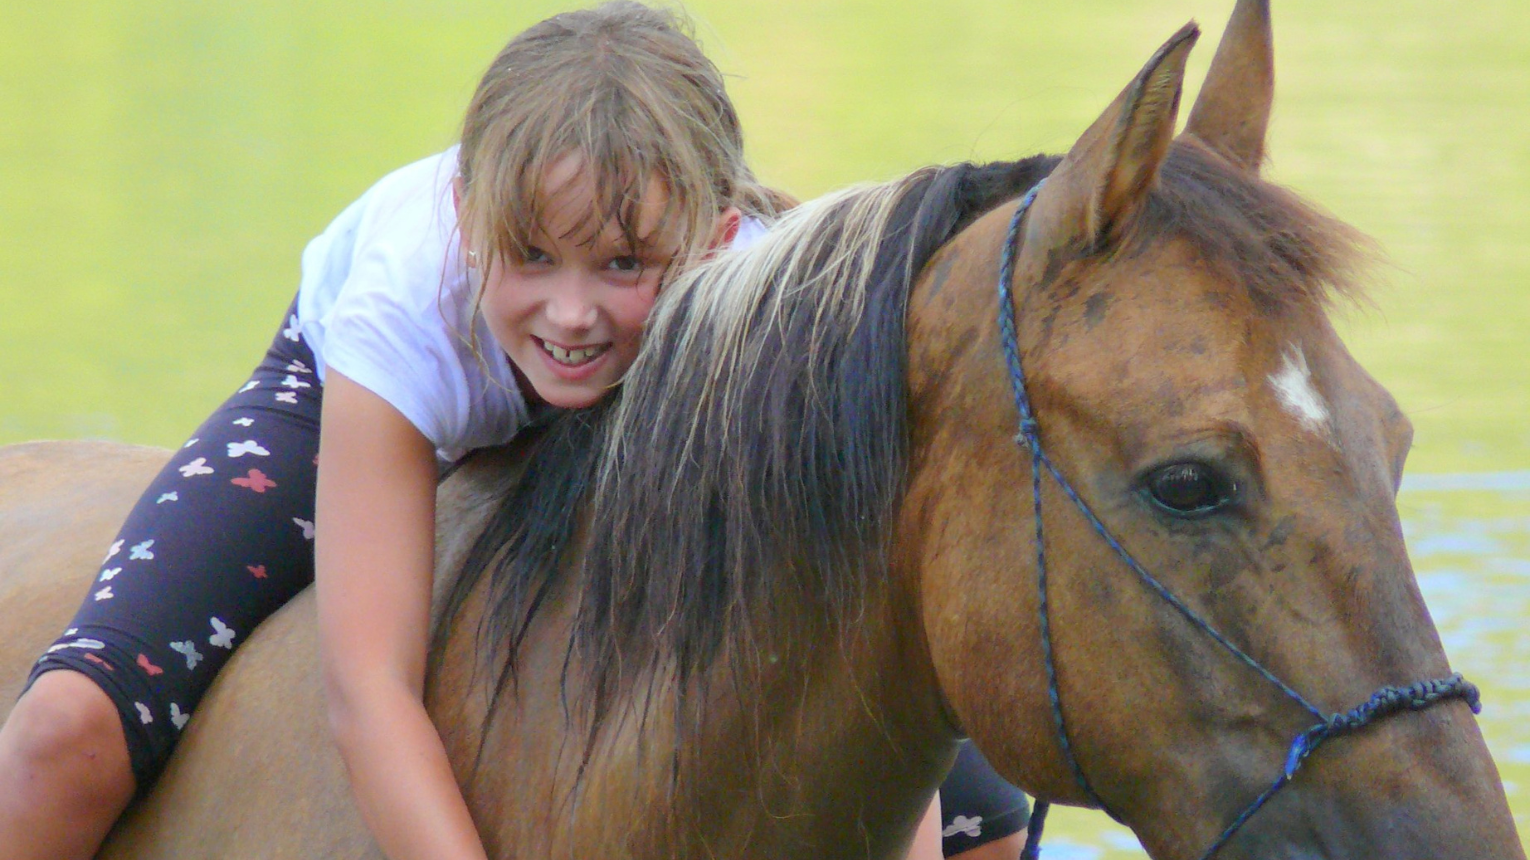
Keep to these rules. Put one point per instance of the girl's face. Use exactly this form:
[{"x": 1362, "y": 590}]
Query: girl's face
[{"x": 570, "y": 315}]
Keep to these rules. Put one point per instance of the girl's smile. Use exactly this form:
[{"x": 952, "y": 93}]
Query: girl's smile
[
  {"x": 569, "y": 313},
  {"x": 573, "y": 364}
]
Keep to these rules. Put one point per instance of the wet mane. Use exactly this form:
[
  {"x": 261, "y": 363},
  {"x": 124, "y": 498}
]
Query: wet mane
[
  {"x": 751, "y": 459},
  {"x": 731, "y": 504}
]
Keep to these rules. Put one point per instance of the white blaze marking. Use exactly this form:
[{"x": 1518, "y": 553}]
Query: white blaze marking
[{"x": 1293, "y": 382}]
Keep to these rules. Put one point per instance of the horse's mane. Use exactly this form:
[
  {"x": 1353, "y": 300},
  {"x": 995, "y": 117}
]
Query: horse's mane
[
  {"x": 751, "y": 459},
  {"x": 751, "y": 463}
]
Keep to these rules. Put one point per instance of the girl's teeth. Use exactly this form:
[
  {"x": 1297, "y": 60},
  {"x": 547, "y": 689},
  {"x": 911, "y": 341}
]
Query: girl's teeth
[{"x": 572, "y": 356}]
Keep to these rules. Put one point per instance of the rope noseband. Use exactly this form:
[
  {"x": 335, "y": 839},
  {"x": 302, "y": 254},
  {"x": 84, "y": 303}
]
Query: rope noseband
[{"x": 1387, "y": 700}]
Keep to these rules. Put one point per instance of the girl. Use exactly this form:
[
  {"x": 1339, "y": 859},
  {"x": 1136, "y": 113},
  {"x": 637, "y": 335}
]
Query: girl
[
  {"x": 599, "y": 155},
  {"x": 437, "y": 314}
]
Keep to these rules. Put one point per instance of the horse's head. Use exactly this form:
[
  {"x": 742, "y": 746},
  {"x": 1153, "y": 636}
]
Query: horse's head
[{"x": 1171, "y": 320}]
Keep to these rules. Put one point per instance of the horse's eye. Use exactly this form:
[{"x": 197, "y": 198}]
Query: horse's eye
[{"x": 1190, "y": 489}]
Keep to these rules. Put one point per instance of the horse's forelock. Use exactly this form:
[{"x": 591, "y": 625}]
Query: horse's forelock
[{"x": 1285, "y": 252}]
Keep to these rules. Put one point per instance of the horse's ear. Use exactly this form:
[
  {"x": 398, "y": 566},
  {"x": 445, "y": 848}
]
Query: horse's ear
[
  {"x": 1232, "y": 112},
  {"x": 1093, "y": 194}
]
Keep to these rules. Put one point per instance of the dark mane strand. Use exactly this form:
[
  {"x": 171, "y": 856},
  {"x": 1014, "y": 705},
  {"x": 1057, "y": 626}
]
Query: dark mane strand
[{"x": 520, "y": 551}]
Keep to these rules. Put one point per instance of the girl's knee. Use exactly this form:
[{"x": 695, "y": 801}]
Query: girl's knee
[
  {"x": 1003, "y": 848},
  {"x": 66, "y": 722}
]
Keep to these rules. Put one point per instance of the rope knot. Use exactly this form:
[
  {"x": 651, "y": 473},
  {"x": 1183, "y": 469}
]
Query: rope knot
[
  {"x": 1303, "y": 746},
  {"x": 1029, "y": 430},
  {"x": 1387, "y": 700}
]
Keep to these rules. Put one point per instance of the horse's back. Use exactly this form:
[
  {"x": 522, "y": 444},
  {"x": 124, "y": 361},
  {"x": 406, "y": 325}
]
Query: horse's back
[
  {"x": 60, "y": 505},
  {"x": 255, "y": 774}
]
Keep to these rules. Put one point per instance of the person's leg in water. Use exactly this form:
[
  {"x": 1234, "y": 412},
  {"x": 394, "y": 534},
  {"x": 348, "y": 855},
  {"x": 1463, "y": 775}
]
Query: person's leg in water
[{"x": 220, "y": 540}]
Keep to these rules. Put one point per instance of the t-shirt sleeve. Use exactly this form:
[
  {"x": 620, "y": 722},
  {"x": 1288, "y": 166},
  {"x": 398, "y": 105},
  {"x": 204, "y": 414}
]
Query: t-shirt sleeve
[
  {"x": 386, "y": 331},
  {"x": 750, "y": 231}
]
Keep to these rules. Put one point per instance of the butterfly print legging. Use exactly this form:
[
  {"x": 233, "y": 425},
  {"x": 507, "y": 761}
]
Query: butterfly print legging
[
  {"x": 220, "y": 540},
  {"x": 976, "y": 805}
]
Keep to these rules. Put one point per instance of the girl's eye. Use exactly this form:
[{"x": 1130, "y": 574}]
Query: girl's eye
[
  {"x": 626, "y": 263},
  {"x": 1190, "y": 489},
  {"x": 536, "y": 255}
]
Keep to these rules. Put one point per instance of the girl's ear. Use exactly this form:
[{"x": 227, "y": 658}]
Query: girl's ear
[
  {"x": 726, "y": 228},
  {"x": 471, "y": 255}
]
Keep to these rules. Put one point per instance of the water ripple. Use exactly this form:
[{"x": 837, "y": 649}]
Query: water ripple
[{"x": 1470, "y": 481}]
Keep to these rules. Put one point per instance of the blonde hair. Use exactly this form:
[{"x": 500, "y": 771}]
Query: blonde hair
[{"x": 626, "y": 88}]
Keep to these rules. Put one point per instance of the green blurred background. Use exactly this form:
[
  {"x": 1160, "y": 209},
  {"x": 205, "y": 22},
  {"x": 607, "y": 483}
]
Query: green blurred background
[{"x": 162, "y": 166}]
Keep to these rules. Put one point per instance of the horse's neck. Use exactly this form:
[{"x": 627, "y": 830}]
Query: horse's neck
[{"x": 832, "y": 750}]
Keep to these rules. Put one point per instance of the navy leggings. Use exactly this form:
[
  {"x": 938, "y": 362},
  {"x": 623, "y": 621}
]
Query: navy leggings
[
  {"x": 223, "y": 537},
  {"x": 977, "y": 806}
]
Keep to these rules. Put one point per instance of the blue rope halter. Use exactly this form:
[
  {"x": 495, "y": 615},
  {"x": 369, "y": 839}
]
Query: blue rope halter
[{"x": 1387, "y": 700}]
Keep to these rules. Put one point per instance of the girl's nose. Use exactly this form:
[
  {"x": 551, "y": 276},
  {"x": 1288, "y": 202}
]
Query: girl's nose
[{"x": 572, "y": 306}]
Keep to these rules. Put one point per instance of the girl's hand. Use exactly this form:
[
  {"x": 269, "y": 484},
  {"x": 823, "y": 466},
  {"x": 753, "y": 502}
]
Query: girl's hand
[{"x": 375, "y": 561}]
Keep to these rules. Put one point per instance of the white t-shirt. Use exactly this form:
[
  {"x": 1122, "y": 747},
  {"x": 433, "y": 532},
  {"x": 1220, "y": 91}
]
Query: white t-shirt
[{"x": 385, "y": 298}]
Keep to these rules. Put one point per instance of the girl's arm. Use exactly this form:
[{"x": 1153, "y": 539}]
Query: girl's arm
[{"x": 375, "y": 561}]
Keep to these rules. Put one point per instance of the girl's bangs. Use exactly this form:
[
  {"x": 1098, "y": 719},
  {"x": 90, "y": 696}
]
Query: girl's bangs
[{"x": 621, "y": 169}]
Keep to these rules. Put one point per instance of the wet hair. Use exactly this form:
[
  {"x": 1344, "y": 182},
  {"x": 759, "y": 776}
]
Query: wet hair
[{"x": 625, "y": 88}]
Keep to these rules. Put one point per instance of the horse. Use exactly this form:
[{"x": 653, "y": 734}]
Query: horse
[{"x": 749, "y": 607}]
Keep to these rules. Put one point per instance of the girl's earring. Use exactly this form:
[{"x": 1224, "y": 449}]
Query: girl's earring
[{"x": 472, "y": 257}]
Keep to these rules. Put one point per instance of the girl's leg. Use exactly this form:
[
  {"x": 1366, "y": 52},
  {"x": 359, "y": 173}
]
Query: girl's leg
[
  {"x": 927, "y": 838},
  {"x": 1003, "y": 848},
  {"x": 220, "y": 540},
  {"x": 64, "y": 770}
]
